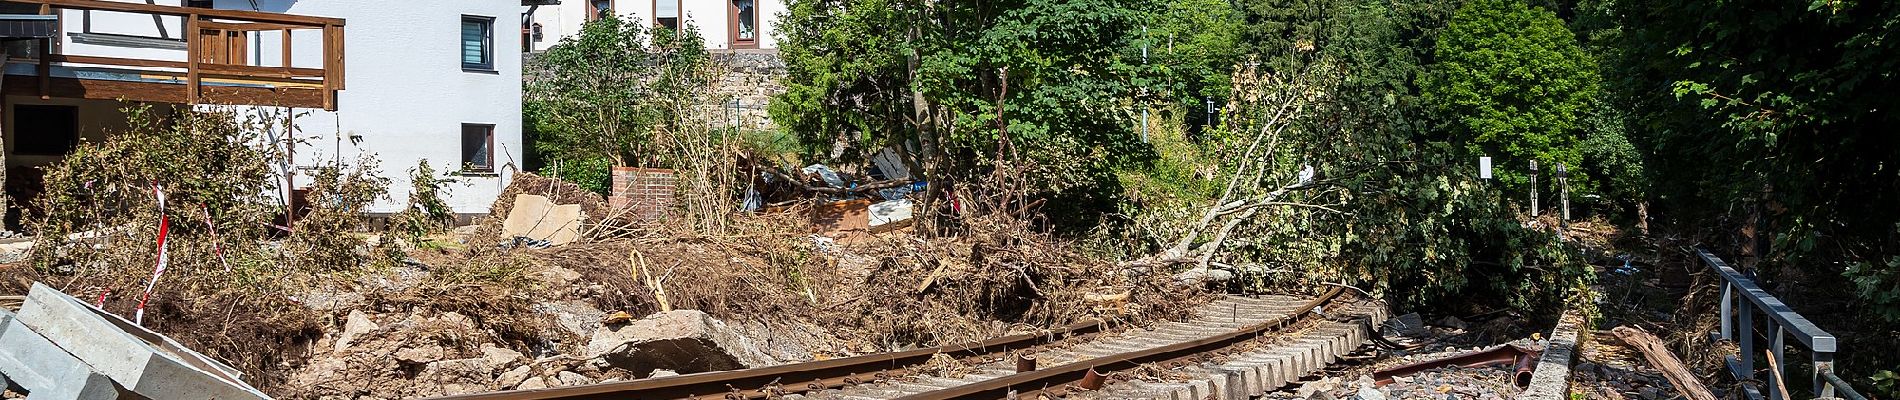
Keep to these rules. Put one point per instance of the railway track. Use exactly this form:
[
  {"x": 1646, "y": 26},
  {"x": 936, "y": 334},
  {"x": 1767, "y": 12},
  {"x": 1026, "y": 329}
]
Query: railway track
[{"x": 1233, "y": 348}]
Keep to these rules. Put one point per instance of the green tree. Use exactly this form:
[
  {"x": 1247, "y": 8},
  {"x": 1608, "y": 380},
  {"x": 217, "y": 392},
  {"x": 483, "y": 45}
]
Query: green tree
[
  {"x": 1512, "y": 82},
  {"x": 611, "y": 91},
  {"x": 956, "y": 87}
]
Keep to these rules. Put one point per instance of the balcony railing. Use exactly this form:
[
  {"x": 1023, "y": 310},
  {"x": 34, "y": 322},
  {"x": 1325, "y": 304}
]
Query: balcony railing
[{"x": 217, "y": 43}]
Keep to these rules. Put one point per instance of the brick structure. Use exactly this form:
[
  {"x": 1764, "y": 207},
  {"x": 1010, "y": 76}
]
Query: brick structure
[{"x": 648, "y": 191}]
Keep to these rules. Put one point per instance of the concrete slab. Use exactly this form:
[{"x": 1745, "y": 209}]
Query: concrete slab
[
  {"x": 43, "y": 369},
  {"x": 537, "y": 217},
  {"x": 145, "y": 362}
]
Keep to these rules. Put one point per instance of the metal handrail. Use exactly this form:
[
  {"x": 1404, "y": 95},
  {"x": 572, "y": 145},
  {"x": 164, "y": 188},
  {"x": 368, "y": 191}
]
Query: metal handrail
[{"x": 1782, "y": 322}]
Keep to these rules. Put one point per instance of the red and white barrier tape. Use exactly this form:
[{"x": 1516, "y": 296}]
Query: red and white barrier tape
[{"x": 164, "y": 227}]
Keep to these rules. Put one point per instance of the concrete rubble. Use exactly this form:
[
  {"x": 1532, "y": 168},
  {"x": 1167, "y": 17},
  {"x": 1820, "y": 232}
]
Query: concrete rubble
[
  {"x": 58, "y": 347},
  {"x": 685, "y": 341}
]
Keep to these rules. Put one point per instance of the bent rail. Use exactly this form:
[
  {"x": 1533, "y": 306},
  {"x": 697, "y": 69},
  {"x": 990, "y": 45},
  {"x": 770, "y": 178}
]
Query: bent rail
[{"x": 1782, "y": 322}]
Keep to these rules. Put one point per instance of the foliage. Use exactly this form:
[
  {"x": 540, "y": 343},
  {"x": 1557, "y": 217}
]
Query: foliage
[
  {"x": 593, "y": 174},
  {"x": 1512, "y": 82},
  {"x": 219, "y": 171},
  {"x": 608, "y": 92},
  {"x": 959, "y": 89},
  {"x": 1773, "y": 114},
  {"x": 426, "y": 213},
  {"x": 1191, "y": 47}
]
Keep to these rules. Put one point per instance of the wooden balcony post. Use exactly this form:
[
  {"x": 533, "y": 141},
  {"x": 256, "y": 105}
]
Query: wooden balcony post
[
  {"x": 330, "y": 45},
  {"x": 193, "y": 51},
  {"x": 286, "y": 50}
]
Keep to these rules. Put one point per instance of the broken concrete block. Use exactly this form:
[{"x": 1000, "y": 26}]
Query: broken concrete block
[
  {"x": 686, "y": 341},
  {"x": 534, "y": 383},
  {"x": 145, "y": 362},
  {"x": 43, "y": 369},
  {"x": 536, "y": 217}
]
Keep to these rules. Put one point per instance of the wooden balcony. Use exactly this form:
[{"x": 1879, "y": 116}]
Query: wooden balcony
[{"x": 215, "y": 67}]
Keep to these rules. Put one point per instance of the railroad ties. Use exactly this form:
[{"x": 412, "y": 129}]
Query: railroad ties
[
  {"x": 1237, "y": 347},
  {"x": 1264, "y": 363}
]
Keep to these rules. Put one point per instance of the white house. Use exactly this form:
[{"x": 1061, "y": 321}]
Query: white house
[
  {"x": 726, "y": 24},
  {"x": 410, "y": 80}
]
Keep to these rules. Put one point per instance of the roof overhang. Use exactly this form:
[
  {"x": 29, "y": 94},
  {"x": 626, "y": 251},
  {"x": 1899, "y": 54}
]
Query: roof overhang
[{"x": 28, "y": 26}]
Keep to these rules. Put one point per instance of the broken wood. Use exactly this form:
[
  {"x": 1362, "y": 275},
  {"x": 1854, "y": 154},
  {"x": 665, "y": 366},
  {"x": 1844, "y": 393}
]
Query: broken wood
[
  {"x": 1664, "y": 360},
  {"x": 1774, "y": 367},
  {"x": 934, "y": 274}
]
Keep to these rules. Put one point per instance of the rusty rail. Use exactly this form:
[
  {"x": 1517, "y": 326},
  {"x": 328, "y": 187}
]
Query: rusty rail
[
  {"x": 782, "y": 379},
  {"x": 1027, "y": 384}
]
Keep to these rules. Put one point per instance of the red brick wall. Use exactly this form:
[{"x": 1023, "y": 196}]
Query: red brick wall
[{"x": 648, "y": 191}]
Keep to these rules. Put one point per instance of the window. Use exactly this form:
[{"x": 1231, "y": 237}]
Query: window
[
  {"x": 599, "y": 8},
  {"x": 743, "y": 21},
  {"x": 478, "y": 43},
  {"x": 666, "y": 13},
  {"x": 45, "y": 130},
  {"x": 478, "y": 144}
]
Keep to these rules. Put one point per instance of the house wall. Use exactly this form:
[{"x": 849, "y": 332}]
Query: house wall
[
  {"x": 710, "y": 17},
  {"x": 407, "y": 95}
]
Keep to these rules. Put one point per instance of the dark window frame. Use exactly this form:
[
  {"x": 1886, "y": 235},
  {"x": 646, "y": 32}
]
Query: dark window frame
[
  {"x": 594, "y": 13},
  {"x": 30, "y": 147},
  {"x": 679, "y": 14},
  {"x": 484, "y": 166},
  {"x": 488, "y": 44}
]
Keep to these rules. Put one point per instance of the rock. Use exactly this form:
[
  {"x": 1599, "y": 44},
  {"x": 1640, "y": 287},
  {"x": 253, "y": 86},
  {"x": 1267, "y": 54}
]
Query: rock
[
  {"x": 498, "y": 358},
  {"x": 356, "y": 324},
  {"x": 458, "y": 370},
  {"x": 534, "y": 383},
  {"x": 1405, "y": 325},
  {"x": 513, "y": 377},
  {"x": 686, "y": 341},
  {"x": 1650, "y": 393},
  {"x": 569, "y": 378},
  {"x": 661, "y": 373},
  {"x": 1368, "y": 393},
  {"x": 419, "y": 355},
  {"x": 1453, "y": 323}
]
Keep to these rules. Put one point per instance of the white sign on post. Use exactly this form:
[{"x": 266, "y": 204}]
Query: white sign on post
[{"x": 1484, "y": 167}]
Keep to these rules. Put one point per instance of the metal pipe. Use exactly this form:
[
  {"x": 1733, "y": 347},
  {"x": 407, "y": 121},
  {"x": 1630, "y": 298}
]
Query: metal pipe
[
  {"x": 1526, "y": 364},
  {"x": 1094, "y": 380},
  {"x": 1841, "y": 387},
  {"x": 1025, "y": 363}
]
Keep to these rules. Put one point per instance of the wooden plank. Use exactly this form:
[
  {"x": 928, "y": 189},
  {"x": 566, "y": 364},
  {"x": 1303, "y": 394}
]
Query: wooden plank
[
  {"x": 1663, "y": 360},
  {"x": 45, "y": 68},
  {"x": 251, "y": 26},
  {"x": 104, "y": 89},
  {"x": 340, "y": 41},
  {"x": 259, "y": 16},
  {"x": 127, "y": 62},
  {"x": 330, "y": 39},
  {"x": 287, "y": 65},
  {"x": 262, "y": 72},
  {"x": 194, "y": 49}
]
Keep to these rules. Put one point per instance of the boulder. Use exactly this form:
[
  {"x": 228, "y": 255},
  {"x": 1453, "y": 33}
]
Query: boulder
[{"x": 684, "y": 341}]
